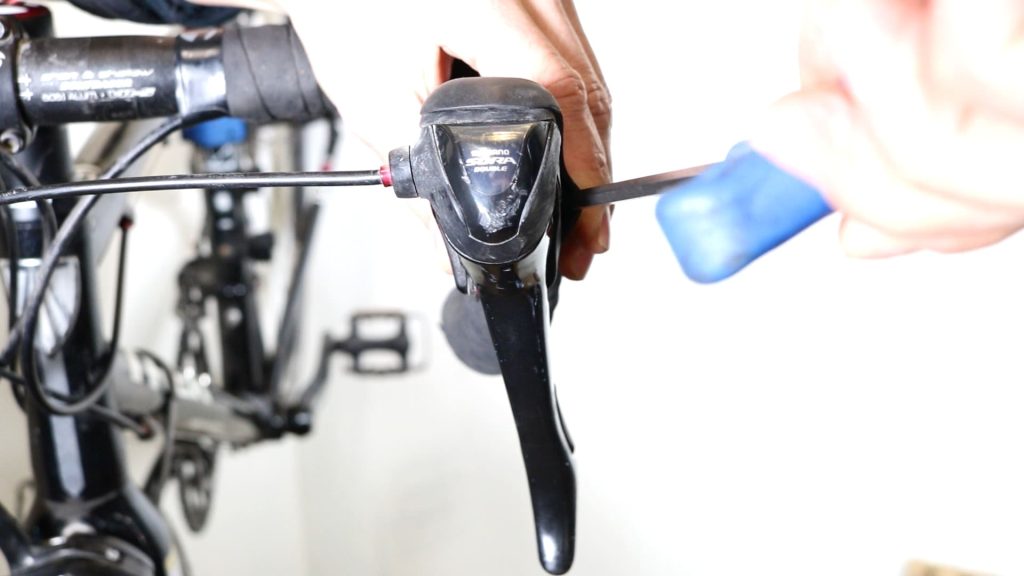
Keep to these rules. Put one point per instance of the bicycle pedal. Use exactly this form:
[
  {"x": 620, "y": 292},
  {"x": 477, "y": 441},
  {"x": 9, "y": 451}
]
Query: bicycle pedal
[{"x": 378, "y": 343}]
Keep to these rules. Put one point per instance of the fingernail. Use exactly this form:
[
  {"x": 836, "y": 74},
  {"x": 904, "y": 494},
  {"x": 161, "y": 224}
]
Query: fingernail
[{"x": 604, "y": 233}]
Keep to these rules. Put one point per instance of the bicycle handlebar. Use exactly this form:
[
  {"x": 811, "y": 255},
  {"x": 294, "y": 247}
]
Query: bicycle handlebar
[
  {"x": 258, "y": 74},
  {"x": 503, "y": 135}
]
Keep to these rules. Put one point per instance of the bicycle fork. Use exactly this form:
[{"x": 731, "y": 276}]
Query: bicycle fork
[{"x": 489, "y": 161}]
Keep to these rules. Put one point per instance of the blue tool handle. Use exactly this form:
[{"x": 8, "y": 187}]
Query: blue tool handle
[{"x": 734, "y": 213}]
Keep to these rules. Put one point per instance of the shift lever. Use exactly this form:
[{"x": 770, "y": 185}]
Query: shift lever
[{"x": 489, "y": 161}]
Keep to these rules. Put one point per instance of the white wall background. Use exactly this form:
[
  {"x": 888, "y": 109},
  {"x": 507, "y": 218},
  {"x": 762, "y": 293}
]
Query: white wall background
[{"x": 812, "y": 415}]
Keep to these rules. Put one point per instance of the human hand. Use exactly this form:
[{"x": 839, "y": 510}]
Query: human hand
[
  {"x": 910, "y": 121},
  {"x": 378, "y": 61}
]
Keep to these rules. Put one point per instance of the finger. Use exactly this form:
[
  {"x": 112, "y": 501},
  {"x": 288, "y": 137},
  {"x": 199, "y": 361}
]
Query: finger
[
  {"x": 976, "y": 51},
  {"x": 966, "y": 154},
  {"x": 962, "y": 243},
  {"x": 832, "y": 30},
  {"x": 820, "y": 137},
  {"x": 591, "y": 233},
  {"x": 817, "y": 66},
  {"x": 600, "y": 106},
  {"x": 949, "y": 147},
  {"x": 575, "y": 261},
  {"x": 578, "y": 249},
  {"x": 506, "y": 41},
  {"x": 509, "y": 42},
  {"x": 861, "y": 240},
  {"x": 882, "y": 148},
  {"x": 574, "y": 19},
  {"x": 566, "y": 35},
  {"x": 590, "y": 236}
]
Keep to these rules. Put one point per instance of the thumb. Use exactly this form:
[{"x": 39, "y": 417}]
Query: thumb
[
  {"x": 808, "y": 135},
  {"x": 821, "y": 138}
]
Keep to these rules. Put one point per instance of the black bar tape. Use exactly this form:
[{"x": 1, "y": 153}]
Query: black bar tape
[{"x": 269, "y": 77}]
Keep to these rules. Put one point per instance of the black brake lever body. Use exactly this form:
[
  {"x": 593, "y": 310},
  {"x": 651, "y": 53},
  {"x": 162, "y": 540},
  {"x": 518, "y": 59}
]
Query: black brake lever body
[{"x": 489, "y": 161}]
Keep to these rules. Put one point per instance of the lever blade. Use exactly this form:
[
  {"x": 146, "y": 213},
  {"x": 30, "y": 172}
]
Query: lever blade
[{"x": 518, "y": 322}]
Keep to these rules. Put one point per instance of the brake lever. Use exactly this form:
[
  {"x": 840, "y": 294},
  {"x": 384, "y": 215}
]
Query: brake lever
[{"x": 489, "y": 161}]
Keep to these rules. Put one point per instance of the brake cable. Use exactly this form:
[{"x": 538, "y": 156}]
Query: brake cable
[
  {"x": 216, "y": 181},
  {"x": 25, "y": 328}
]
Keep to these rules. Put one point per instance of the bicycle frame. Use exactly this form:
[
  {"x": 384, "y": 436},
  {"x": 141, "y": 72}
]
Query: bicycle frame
[{"x": 78, "y": 462}]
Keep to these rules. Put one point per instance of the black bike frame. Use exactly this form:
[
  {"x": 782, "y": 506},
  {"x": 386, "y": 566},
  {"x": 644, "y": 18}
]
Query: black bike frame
[
  {"x": 246, "y": 370},
  {"x": 78, "y": 461},
  {"x": 241, "y": 342}
]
